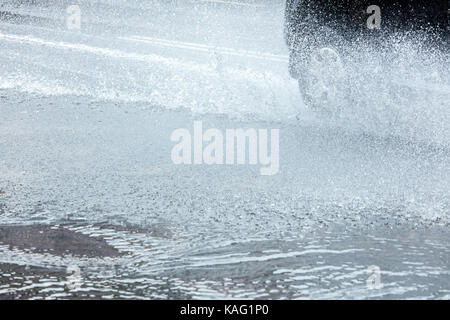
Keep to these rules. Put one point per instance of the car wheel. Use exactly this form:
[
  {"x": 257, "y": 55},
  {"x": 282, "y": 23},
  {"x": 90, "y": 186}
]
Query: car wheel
[{"x": 322, "y": 81}]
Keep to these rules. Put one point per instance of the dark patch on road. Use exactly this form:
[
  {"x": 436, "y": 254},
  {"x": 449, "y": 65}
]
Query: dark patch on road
[
  {"x": 23, "y": 18},
  {"x": 29, "y": 274},
  {"x": 55, "y": 240}
]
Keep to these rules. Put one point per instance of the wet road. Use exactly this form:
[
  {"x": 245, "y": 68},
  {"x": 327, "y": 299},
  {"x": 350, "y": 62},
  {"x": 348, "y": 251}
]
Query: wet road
[{"x": 85, "y": 147}]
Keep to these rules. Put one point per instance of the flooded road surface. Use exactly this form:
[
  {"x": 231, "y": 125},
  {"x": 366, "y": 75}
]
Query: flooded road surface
[
  {"x": 109, "y": 215},
  {"x": 92, "y": 205},
  {"x": 326, "y": 265}
]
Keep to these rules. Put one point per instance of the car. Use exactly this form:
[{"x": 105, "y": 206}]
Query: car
[{"x": 322, "y": 36}]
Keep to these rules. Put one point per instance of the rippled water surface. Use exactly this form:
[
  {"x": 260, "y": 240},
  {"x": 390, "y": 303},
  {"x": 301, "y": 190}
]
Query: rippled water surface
[{"x": 91, "y": 205}]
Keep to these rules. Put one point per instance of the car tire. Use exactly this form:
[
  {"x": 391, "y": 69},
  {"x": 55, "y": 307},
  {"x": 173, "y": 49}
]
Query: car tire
[{"x": 322, "y": 81}]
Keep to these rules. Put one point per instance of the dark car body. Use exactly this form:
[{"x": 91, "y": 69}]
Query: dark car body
[
  {"x": 350, "y": 17},
  {"x": 315, "y": 29}
]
